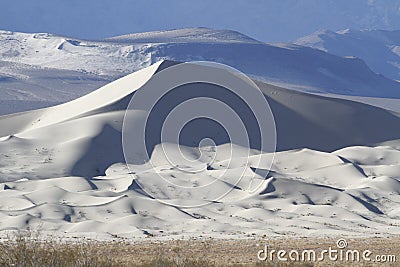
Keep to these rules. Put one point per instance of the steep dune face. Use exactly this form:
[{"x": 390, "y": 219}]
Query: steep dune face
[
  {"x": 64, "y": 168},
  {"x": 327, "y": 124}
]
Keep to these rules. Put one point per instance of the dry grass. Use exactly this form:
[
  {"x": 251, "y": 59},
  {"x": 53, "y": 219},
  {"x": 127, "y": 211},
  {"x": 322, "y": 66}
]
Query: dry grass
[{"x": 26, "y": 249}]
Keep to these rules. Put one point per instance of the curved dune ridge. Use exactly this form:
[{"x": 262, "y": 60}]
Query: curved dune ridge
[{"x": 336, "y": 170}]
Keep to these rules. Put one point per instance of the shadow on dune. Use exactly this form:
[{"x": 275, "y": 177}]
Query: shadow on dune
[
  {"x": 327, "y": 124},
  {"x": 100, "y": 153},
  {"x": 302, "y": 121}
]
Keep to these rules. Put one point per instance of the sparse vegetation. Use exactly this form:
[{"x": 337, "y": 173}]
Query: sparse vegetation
[
  {"x": 26, "y": 249},
  {"x": 29, "y": 249}
]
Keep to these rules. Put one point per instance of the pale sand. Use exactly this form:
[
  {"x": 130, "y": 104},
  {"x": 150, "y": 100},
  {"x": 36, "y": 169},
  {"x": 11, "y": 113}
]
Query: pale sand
[{"x": 336, "y": 172}]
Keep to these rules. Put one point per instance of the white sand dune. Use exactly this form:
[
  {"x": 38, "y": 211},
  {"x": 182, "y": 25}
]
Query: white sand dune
[{"x": 337, "y": 170}]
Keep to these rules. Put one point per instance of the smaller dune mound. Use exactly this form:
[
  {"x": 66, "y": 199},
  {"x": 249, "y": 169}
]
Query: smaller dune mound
[{"x": 370, "y": 155}]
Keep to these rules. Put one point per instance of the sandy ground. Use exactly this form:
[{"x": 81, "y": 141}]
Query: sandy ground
[
  {"x": 206, "y": 251},
  {"x": 230, "y": 252}
]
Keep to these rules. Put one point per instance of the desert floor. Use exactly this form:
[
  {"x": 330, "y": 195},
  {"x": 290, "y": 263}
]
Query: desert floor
[{"x": 25, "y": 250}]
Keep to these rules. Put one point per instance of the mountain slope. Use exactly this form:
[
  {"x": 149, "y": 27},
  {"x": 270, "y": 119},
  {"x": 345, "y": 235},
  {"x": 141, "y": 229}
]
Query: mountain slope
[
  {"x": 379, "y": 49},
  {"x": 71, "y": 67}
]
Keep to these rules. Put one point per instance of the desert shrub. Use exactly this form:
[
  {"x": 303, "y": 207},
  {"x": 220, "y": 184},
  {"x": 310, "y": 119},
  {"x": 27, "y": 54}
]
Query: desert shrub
[{"x": 25, "y": 249}]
